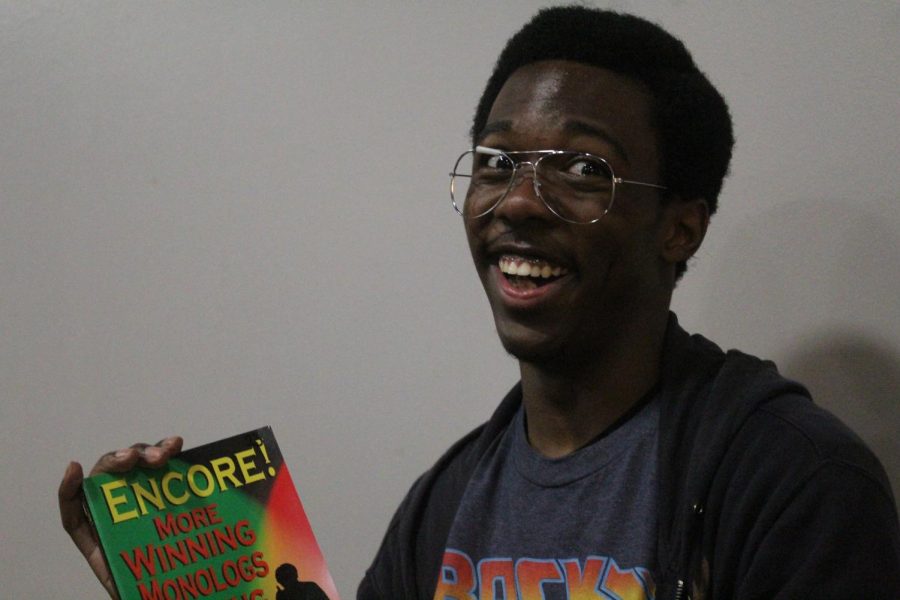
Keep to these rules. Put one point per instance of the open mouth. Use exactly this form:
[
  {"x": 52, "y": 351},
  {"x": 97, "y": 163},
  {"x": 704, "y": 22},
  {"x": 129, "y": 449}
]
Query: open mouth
[{"x": 526, "y": 273}]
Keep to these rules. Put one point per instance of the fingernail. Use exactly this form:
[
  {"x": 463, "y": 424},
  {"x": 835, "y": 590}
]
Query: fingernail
[
  {"x": 152, "y": 452},
  {"x": 122, "y": 453}
]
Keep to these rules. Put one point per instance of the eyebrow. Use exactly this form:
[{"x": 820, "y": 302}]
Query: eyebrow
[
  {"x": 582, "y": 127},
  {"x": 574, "y": 126},
  {"x": 493, "y": 127}
]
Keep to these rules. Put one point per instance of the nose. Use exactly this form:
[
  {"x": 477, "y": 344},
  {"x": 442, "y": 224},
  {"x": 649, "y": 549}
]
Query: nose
[{"x": 523, "y": 200}]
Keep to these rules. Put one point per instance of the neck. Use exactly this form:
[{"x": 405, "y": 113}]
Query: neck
[{"x": 571, "y": 401}]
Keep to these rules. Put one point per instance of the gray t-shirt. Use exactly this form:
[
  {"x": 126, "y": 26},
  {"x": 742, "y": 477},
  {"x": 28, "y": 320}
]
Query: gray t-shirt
[{"x": 558, "y": 529}]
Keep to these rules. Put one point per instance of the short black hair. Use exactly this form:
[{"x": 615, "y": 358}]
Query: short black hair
[{"x": 690, "y": 116}]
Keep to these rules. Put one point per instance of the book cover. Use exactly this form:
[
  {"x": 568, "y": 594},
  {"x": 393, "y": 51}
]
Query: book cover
[{"x": 220, "y": 521}]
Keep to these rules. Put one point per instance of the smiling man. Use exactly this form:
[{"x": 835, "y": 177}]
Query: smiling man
[{"x": 633, "y": 460}]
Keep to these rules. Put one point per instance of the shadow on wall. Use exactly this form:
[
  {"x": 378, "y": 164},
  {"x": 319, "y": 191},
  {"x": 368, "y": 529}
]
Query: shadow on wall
[
  {"x": 815, "y": 286},
  {"x": 858, "y": 379}
]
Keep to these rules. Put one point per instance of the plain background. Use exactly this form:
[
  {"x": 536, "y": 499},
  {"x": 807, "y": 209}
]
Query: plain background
[{"x": 219, "y": 215}]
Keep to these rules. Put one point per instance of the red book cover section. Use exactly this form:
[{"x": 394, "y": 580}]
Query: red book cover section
[{"x": 221, "y": 521}]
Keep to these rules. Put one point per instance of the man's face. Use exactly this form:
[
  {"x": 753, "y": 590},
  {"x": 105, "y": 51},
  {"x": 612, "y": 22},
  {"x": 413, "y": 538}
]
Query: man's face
[{"x": 611, "y": 272}]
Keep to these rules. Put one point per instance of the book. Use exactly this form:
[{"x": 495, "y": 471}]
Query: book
[{"x": 220, "y": 521}]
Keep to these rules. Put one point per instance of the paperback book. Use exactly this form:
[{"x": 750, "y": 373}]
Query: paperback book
[{"x": 221, "y": 521}]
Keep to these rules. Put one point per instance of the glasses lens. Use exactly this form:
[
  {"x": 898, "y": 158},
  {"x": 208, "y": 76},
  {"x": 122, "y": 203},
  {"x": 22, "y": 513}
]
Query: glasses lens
[
  {"x": 577, "y": 187},
  {"x": 479, "y": 181}
]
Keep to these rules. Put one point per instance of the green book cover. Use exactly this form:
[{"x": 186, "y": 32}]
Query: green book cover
[{"x": 220, "y": 521}]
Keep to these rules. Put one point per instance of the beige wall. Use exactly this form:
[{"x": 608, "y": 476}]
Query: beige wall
[{"x": 215, "y": 216}]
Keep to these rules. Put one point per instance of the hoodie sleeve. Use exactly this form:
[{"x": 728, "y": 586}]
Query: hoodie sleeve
[
  {"x": 836, "y": 538},
  {"x": 807, "y": 512}
]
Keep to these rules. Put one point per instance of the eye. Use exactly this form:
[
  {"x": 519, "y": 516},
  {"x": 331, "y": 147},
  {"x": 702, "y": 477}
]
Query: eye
[
  {"x": 586, "y": 166},
  {"x": 499, "y": 162},
  {"x": 491, "y": 168}
]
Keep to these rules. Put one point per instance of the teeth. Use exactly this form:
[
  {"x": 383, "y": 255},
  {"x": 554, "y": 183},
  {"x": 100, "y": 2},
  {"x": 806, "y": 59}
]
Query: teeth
[{"x": 530, "y": 267}]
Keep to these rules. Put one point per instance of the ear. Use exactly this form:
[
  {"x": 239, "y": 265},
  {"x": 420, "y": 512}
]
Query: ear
[{"x": 685, "y": 223}]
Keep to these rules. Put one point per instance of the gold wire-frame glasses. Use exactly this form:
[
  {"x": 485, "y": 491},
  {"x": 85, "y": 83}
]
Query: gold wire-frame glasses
[{"x": 577, "y": 187}]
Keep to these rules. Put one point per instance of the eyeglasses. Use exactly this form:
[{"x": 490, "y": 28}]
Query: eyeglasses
[{"x": 577, "y": 187}]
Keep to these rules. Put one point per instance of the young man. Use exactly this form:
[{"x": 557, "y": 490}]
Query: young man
[{"x": 633, "y": 460}]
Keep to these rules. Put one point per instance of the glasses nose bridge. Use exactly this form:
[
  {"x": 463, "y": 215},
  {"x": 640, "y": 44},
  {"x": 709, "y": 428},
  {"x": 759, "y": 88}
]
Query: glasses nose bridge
[
  {"x": 519, "y": 169},
  {"x": 520, "y": 173},
  {"x": 523, "y": 169}
]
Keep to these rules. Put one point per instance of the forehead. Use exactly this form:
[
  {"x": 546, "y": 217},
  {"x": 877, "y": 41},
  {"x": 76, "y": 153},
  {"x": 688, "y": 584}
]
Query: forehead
[{"x": 556, "y": 103}]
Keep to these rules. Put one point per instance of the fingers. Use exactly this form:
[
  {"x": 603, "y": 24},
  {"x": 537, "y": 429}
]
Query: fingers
[
  {"x": 76, "y": 524},
  {"x": 70, "y": 499},
  {"x": 74, "y": 520},
  {"x": 141, "y": 455},
  {"x": 71, "y": 511},
  {"x": 173, "y": 442}
]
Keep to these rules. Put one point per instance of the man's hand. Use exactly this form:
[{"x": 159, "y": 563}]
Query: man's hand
[{"x": 75, "y": 521}]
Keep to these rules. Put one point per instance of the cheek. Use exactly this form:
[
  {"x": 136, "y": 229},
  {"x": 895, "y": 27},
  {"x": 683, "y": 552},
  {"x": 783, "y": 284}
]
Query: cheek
[
  {"x": 616, "y": 256},
  {"x": 474, "y": 235},
  {"x": 602, "y": 248},
  {"x": 636, "y": 264},
  {"x": 471, "y": 239}
]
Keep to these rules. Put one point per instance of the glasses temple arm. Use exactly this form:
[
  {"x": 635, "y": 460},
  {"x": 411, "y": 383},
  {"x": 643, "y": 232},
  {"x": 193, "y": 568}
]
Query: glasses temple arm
[
  {"x": 486, "y": 150},
  {"x": 620, "y": 181}
]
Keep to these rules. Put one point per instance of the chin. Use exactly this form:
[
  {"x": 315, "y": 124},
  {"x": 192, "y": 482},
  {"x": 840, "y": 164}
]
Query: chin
[{"x": 530, "y": 346}]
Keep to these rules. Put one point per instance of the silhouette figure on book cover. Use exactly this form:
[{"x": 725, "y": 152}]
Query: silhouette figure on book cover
[{"x": 291, "y": 588}]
